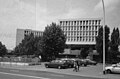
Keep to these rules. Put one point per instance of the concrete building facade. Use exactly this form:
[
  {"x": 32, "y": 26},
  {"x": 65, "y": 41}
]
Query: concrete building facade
[
  {"x": 80, "y": 31},
  {"x": 21, "y": 33},
  {"x": 81, "y": 34}
]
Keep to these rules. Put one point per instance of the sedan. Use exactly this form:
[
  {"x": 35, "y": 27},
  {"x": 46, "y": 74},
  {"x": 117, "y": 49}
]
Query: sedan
[
  {"x": 115, "y": 68},
  {"x": 90, "y": 62},
  {"x": 57, "y": 64}
]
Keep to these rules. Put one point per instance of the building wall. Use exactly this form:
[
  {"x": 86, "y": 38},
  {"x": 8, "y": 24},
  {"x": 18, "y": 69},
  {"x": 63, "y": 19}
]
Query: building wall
[
  {"x": 21, "y": 33},
  {"x": 80, "y": 31}
]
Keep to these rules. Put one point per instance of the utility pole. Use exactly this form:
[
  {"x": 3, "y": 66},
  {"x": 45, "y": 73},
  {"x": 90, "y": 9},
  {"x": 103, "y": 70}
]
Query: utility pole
[{"x": 103, "y": 37}]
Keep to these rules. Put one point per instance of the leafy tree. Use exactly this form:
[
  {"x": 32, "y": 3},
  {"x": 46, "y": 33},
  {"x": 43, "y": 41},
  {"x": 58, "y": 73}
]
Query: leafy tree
[
  {"x": 53, "y": 41},
  {"x": 99, "y": 42},
  {"x": 3, "y": 50},
  {"x": 114, "y": 44},
  {"x": 29, "y": 46},
  {"x": 114, "y": 40},
  {"x": 84, "y": 52}
]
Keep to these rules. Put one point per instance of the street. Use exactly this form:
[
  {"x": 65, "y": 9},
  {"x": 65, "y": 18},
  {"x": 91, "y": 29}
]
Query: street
[{"x": 6, "y": 73}]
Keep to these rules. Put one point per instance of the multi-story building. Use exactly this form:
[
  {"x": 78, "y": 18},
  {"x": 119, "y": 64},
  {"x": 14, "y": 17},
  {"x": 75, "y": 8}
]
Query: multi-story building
[
  {"x": 80, "y": 31},
  {"x": 21, "y": 33}
]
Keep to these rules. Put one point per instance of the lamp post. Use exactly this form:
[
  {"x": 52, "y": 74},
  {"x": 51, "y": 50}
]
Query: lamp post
[{"x": 103, "y": 37}]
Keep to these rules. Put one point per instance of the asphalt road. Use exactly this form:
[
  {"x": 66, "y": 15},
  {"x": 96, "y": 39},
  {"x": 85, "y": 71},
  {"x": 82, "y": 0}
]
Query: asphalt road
[{"x": 28, "y": 74}]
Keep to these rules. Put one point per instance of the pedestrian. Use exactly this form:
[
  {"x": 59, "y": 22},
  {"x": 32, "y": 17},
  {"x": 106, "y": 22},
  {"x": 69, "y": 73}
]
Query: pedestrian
[
  {"x": 75, "y": 66},
  {"x": 79, "y": 64}
]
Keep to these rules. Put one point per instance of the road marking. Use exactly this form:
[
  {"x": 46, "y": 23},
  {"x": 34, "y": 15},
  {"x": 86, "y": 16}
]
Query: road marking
[
  {"x": 57, "y": 75},
  {"x": 14, "y": 70},
  {"x": 23, "y": 75}
]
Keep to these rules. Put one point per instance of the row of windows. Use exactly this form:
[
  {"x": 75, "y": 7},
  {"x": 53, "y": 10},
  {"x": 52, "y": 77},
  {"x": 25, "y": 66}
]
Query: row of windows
[
  {"x": 88, "y": 39},
  {"x": 84, "y": 22},
  {"x": 80, "y": 28},
  {"x": 35, "y": 33},
  {"x": 81, "y": 33}
]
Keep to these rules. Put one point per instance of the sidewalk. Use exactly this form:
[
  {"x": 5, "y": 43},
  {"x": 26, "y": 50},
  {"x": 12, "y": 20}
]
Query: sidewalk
[{"x": 90, "y": 71}]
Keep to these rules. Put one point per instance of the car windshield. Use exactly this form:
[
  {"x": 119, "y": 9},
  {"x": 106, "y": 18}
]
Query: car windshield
[{"x": 58, "y": 61}]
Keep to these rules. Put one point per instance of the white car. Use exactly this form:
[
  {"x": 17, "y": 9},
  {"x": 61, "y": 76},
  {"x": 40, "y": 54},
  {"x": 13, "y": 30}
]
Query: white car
[{"x": 115, "y": 68}]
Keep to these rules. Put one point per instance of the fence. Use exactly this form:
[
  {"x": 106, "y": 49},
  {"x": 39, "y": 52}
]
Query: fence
[{"x": 31, "y": 61}]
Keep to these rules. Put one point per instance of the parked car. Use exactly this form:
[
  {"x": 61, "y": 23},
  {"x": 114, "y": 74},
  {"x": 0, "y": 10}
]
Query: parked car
[
  {"x": 115, "y": 68},
  {"x": 70, "y": 61},
  {"x": 90, "y": 62},
  {"x": 57, "y": 64}
]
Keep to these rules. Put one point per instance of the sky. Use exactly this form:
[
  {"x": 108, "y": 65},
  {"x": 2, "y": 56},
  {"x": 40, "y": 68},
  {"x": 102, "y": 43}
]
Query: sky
[{"x": 37, "y": 14}]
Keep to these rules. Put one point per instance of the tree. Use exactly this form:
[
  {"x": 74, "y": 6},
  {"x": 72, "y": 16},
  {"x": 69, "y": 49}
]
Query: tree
[
  {"x": 29, "y": 46},
  {"x": 114, "y": 40},
  {"x": 114, "y": 44},
  {"x": 53, "y": 41},
  {"x": 3, "y": 50},
  {"x": 99, "y": 42}
]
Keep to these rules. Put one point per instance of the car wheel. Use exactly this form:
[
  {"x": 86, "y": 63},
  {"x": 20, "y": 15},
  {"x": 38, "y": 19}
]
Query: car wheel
[
  {"x": 108, "y": 71},
  {"x": 59, "y": 67},
  {"x": 85, "y": 65},
  {"x": 70, "y": 66},
  {"x": 46, "y": 66}
]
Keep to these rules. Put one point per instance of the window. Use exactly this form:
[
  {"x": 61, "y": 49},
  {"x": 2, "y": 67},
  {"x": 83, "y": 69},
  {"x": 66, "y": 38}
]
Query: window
[
  {"x": 86, "y": 38},
  {"x": 74, "y": 22},
  {"x": 80, "y": 22},
  {"x": 93, "y": 22},
  {"x": 83, "y": 38},
  {"x": 95, "y": 32},
  {"x": 77, "y": 22},
  {"x": 71, "y": 33},
  {"x": 80, "y": 32},
  {"x": 92, "y": 27},
  {"x": 89, "y": 32},
  {"x": 80, "y": 38},
  {"x": 86, "y": 32},
  {"x": 74, "y": 33},
  {"x": 95, "y": 27},
  {"x": 77, "y": 38},
  {"x": 83, "y": 27},
  {"x": 99, "y": 22},
  {"x": 71, "y": 27},
  {"x": 86, "y": 22},
  {"x": 96, "y": 22},
  {"x": 86, "y": 27},
  {"x": 71, "y": 38},
  {"x": 66, "y": 27},
  {"x": 74, "y": 27},
  {"x": 89, "y": 22},
  {"x": 61, "y": 23},
  {"x": 77, "y": 28},
  {"x": 92, "y": 38},
  {"x": 89, "y": 38},
  {"x": 66, "y": 23},
  {"x": 80, "y": 27},
  {"x": 89, "y": 27},
  {"x": 83, "y": 32}
]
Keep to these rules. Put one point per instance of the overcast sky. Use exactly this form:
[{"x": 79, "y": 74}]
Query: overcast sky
[{"x": 36, "y": 14}]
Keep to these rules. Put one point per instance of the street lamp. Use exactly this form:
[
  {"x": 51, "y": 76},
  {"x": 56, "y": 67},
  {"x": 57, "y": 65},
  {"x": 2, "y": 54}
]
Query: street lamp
[{"x": 103, "y": 37}]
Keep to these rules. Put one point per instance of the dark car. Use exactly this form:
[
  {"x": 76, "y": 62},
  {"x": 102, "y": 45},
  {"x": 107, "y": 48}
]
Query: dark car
[
  {"x": 82, "y": 62},
  {"x": 90, "y": 62},
  {"x": 70, "y": 61},
  {"x": 57, "y": 64}
]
